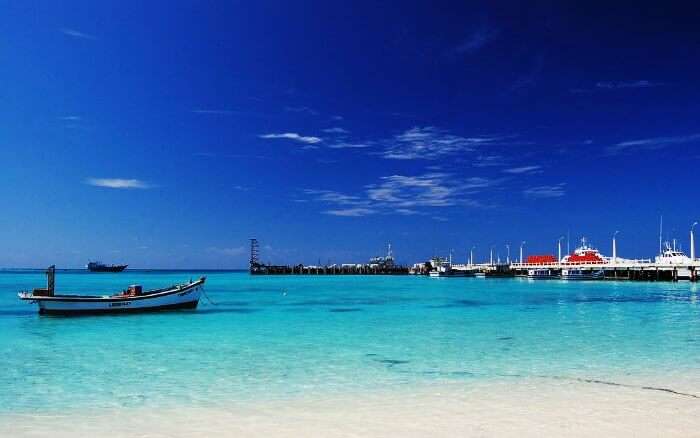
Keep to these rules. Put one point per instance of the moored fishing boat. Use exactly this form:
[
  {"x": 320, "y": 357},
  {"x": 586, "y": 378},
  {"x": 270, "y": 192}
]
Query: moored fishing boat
[
  {"x": 133, "y": 299},
  {"x": 443, "y": 268},
  {"x": 673, "y": 257}
]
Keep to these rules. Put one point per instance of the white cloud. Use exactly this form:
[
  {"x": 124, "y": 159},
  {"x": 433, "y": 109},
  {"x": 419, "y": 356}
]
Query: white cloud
[
  {"x": 523, "y": 170},
  {"x": 294, "y": 136},
  {"x": 336, "y": 130},
  {"x": 553, "y": 191},
  {"x": 118, "y": 183},
  {"x": 652, "y": 143},
  {"x": 430, "y": 143},
  {"x": 76, "y": 34},
  {"x": 333, "y": 197},
  {"x": 429, "y": 190},
  {"x": 71, "y": 118},
  {"x": 405, "y": 195},
  {"x": 351, "y": 212}
]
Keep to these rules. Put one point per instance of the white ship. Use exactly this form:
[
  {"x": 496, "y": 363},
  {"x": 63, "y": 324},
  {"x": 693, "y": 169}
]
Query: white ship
[
  {"x": 444, "y": 268},
  {"x": 584, "y": 255},
  {"x": 671, "y": 256}
]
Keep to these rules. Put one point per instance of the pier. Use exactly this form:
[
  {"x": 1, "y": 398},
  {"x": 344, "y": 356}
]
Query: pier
[
  {"x": 585, "y": 262},
  {"x": 629, "y": 270},
  {"x": 382, "y": 265}
]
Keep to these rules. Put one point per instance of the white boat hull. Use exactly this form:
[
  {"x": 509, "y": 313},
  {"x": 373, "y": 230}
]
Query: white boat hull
[{"x": 178, "y": 297}]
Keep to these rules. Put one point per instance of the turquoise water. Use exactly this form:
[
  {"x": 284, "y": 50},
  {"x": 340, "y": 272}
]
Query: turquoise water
[{"x": 276, "y": 337}]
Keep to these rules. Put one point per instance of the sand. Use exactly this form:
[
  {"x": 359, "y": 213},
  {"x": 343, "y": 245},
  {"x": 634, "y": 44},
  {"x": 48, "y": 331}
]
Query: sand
[{"x": 532, "y": 407}]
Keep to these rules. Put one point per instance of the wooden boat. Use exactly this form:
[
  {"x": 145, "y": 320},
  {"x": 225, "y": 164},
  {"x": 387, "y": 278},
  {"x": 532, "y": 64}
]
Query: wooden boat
[{"x": 133, "y": 299}]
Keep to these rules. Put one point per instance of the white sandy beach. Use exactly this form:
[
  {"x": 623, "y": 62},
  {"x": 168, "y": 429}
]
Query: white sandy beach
[{"x": 532, "y": 408}]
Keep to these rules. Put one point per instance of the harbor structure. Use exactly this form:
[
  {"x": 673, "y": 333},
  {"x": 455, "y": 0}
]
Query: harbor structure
[
  {"x": 378, "y": 265},
  {"x": 586, "y": 262}
]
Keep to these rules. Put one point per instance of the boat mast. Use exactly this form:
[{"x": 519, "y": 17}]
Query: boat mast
[
  {"x": 661, "y": 232},
  {"x": 51, "y": 279}
]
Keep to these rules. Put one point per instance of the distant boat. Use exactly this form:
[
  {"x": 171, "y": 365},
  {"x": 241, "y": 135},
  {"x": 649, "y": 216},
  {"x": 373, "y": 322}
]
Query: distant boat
[
  {"x": 101, "y": 267},
  {"x": 585, "y": 255},
  {"x": 133, "y": 299},
  {"x": 671, "y": 256},
  {"x": 443, "y": 268}
]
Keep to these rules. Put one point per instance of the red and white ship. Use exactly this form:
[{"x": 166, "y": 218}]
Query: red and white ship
[
  {"x": 582, "y": 256},
  {"x": 585, "y": 255}
]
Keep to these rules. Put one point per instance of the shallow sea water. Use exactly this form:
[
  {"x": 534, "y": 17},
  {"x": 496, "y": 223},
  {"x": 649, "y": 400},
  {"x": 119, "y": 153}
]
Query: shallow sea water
[{"x": 273, "y": 338}]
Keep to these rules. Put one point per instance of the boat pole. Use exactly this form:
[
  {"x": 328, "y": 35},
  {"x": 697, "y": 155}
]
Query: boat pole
[
  {"x": 614, "y": 248},
  {"x": 51, "y": 280},
  {"x": 692, "y": 242},
  {"x": 559, "y": 248}
]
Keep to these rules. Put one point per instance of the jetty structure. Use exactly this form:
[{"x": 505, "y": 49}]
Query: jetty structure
[
  {"x": 584, "y": 263},
  {"x": 379, "y": 265}
]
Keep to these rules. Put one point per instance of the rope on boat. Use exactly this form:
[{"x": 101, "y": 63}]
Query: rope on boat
[{"x": 207, "y": 297}]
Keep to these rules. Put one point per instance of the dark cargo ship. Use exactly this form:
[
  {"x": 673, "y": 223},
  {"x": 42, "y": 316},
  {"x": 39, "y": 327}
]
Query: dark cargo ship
[{"x": 101, "y": 267}]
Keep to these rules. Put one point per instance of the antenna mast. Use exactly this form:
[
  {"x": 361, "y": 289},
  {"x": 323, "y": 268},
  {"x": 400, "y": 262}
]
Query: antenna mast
[
  {"x": 661, "y": 232},
  {"x": 254, "y": 253}
]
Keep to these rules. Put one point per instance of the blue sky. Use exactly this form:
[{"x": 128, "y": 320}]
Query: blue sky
[{"x": 165, "y": 135}]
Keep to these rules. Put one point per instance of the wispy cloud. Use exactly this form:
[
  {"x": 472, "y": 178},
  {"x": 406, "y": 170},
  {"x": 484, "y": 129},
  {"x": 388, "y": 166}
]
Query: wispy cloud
[
  {"x": 476, "y": 40},
  {"x": 118, "y": 183},
  {"x": 651, "y": 143},
  {"x": 523, "y": 170},
  {"x": 302, "y": 110},
  {"x": 70, "y": 118},
  {"x": 429, "y": 190},
  {"x": 404, "y": 195},
  {"x": 430, "y": 143},
  {"x": 489, "y": 161},
  {"x": 77, "y": 34},
  {"x": 293, "y": 136},
  {"x": 553, "y": 191},
  {"x": 336, "y": 130},
  {"x": 351, "y": 212},
  {"x": 603, "y": 86},
  {"x": 345, "y": 145},
  {"x": 220, "y": 112},
  {"x": 614, "y": 85}
]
